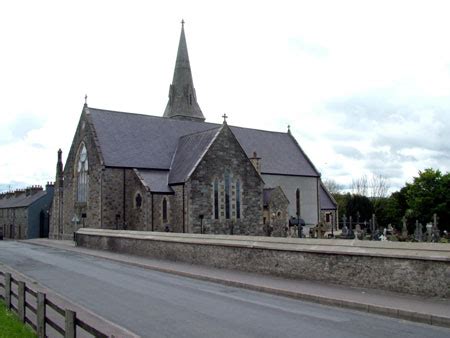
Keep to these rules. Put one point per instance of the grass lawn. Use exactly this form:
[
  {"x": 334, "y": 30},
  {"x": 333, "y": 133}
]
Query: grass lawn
[{"x": 10, "y": 325}]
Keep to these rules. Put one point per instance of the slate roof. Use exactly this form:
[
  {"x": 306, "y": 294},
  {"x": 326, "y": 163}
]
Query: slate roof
[
  {"x": 190, "y": 150},
  {"x": 327, "y": 201},
  {"x": 155, "y": 180},
  {"x": 21, "y": 201},
  {"x": 150, "y": 142}
]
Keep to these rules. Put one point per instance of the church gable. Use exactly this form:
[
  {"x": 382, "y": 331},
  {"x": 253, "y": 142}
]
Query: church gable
[
  {"x": 81, "y": 179},
  {"x": 225, "y": 190}
]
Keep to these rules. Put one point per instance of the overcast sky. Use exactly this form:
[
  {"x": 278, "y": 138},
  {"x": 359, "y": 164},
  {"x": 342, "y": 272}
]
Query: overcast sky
[{"x": 364, "y": 85}]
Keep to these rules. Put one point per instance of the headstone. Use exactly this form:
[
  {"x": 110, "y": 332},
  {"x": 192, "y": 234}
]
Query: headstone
[
  {"x": 344, "y": 230},
  {"x": 418, "y": 232},
  {"x": 404, "y": 228},
  {"x": 435, "y": 230},
  {"x": 429, "y": 227}
]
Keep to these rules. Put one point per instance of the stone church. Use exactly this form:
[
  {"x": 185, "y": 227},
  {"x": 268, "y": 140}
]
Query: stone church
[{"x": 179, "y": 173}]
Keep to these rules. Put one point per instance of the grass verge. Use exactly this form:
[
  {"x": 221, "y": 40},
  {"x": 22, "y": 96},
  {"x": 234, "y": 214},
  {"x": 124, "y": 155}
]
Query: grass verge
[{"x": 11, "y": 326}]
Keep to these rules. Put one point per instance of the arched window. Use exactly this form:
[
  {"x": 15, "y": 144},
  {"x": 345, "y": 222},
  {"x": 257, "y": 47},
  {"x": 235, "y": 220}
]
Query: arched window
[
  {"x": 297, "y": 203},
  {"x": 82, "y": 173},
  {"x": 138, "y": 201},
  {"x": 227, "y": 195},
  {"x": 238, "y": 199},
  {"x": 216, "y": 199},
  {"x": 164, "y": 209}
]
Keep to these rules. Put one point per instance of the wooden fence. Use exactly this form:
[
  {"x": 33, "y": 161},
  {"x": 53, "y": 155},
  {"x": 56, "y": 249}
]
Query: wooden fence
[{"x": 35, "y": 313}]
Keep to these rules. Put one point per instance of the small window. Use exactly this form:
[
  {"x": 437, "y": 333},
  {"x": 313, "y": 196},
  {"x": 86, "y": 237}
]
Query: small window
[
  {"x": 238, "y": 199},
  {"x": 164, "y": 210},
  {"x": 138, "y": 201},
  {"x": 297, "y": 202},
  {"x": 227, "y": 195},
  {"x": 216, "y": 199}
]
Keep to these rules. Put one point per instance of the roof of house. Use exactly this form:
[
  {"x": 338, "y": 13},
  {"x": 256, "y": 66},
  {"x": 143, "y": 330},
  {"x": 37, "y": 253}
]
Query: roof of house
[
  {"x": 327, "y": 202},
  {"x": 190, "y": 150},
  {"x": 22, "y": 200},
  {"x": 150, "y": 142},
  {"x": 155, "y": 180}
]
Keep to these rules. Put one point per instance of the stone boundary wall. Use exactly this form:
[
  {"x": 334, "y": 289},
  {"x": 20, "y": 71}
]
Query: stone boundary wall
[{"x": 414, "y": 268}]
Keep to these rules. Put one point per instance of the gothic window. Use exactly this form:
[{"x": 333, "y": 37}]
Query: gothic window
[
  {"x": 216, "y": 199},
  {"x": 297, "y": 203},
  {"x": 238, "y": 199},
  {"x": 82, "y": 173},
  {"x": 164, "y": 210},
  {"x": 138, "y": 201},
  {"x": 227, "y": 195}
]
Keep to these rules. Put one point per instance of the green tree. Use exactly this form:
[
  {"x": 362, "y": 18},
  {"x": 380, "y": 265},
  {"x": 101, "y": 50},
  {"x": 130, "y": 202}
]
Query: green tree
[
  {"x": 430, "y": 194},
  {"x": 359, "y": 205}
]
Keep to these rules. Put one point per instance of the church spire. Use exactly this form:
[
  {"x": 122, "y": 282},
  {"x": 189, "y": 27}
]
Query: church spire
[{"x": 182, "y": 98}]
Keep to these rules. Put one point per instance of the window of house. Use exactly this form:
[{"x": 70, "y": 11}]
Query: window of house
[
  {"x": 227, "y": 195},
  {"x": 216, "y": 199},
  {"x": 164, "y": 210},
  {"x": 138, "y": 201},
  {"x": 82, "y": 173},
  {"x": 297, "y": 203},
  {"x": 238, "y": 199}
]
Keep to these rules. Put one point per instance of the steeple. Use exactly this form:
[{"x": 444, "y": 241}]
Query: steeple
[{"x": 182, "y": 98}]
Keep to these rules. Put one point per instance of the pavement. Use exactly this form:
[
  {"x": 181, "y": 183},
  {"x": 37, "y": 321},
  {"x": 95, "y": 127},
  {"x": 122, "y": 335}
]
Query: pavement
[{"x": 433, "y": 311}]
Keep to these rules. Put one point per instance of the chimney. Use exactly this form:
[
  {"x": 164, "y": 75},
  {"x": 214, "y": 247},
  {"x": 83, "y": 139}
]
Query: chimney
[
  {"x": 50, "y": 187},
  {"x": 30, "y": 191},
  {"x": 256, "y": 161},
  {"x": 18, "y": 192}
]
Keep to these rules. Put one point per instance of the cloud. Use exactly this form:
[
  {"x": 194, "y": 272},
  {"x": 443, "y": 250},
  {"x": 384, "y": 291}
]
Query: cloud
[
  {"x": 348, "y": 151},
  {"x": 300, "y": 44},
  {"x": 19, "y": 127}
]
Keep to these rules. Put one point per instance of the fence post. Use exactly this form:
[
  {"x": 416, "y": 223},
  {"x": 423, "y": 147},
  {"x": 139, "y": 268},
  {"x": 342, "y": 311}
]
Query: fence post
[
  {"x": 8, "y": 290},
  {"x": 21, "y": 301},
  {"x": 40, "y": 315},
  {"x": 70, "y": 324}
]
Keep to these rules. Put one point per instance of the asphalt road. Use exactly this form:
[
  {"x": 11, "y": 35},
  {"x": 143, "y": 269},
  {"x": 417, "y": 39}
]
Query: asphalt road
[{"x": 155, "y": 304}]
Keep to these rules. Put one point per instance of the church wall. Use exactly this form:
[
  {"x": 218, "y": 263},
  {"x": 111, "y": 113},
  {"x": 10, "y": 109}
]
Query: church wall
[
  {"x": 276, "y": 214},
  {"x": 136, "y": 217},
  {"x": 225, "y": 154},
  {"x": 113, "y": 198},
  {"x": 172, "y": 221},
  {"x": 177, "y": 208},
  {"x": 308, "y": 194}
]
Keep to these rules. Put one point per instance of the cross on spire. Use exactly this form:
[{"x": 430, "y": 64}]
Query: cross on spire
[
  {"x": 182, "y": 22},
  {"x": 85, "y": 99},
  {"x": 224, "y": 118}
]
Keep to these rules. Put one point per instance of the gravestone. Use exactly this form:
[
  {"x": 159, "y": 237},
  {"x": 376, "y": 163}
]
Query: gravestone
[
  {"x": 404, "y": 228},
  {"x": 418, "y": 232}
]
